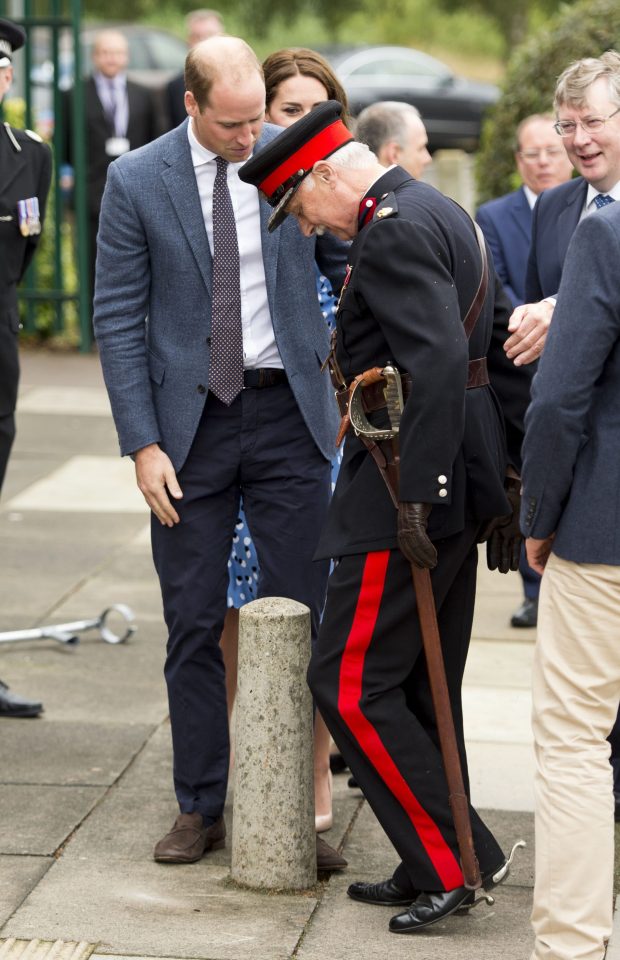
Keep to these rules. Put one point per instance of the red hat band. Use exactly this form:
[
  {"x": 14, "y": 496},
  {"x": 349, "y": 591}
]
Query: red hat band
[{"x": 324, "y": 143}]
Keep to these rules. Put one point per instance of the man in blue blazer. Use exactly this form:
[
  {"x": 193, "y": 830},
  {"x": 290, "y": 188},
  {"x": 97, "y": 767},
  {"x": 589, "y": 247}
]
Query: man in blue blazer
[
  {"x": 506, "y": 223},
  {"x": 211, "y": 341},
  {"x": 570, "y": 509}
]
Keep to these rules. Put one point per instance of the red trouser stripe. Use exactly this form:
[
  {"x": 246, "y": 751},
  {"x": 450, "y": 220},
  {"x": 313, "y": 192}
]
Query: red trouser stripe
[{"x": 349, "y": 697}]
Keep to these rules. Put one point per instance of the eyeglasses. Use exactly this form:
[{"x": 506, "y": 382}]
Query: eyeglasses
[
  {"x": 567, "y": 128},
  {"x": 533, "y": 156}
]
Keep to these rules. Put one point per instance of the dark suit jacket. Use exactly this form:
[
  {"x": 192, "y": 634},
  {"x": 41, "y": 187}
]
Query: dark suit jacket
[
  {"x": 556, "y": 214},
  {"x": 414, "y": 271},
  {"x": 506, "y": 224},
  {"x": 141, "y": 129},
  {"x": 571, "y": 467},
  {"x": 175, "y": 104}
]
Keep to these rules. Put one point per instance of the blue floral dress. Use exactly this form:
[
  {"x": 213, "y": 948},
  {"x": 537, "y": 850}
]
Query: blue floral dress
[{"x": 243, "y": 563}]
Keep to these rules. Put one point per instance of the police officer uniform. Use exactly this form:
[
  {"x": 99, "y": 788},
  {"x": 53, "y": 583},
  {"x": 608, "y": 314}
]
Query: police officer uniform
[
  {"x": 413, "y": 271},
  {"x": 25, "y": 174}
]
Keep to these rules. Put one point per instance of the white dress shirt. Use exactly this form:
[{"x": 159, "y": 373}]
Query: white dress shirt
[
  {"x": 112, "y": 92},
  {"x": 259, "y": 342}
]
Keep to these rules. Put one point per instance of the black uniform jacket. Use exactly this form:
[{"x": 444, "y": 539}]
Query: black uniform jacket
[
  {"x": 414, "y": 271},
  {"x": 24, "y": 174}
]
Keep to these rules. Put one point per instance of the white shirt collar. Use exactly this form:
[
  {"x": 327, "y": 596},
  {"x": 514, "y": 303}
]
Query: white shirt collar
[
  {"x": 119, "y": 81},
  {"x": 530, "y": 196},
  {"x": 201, "y": 154}
]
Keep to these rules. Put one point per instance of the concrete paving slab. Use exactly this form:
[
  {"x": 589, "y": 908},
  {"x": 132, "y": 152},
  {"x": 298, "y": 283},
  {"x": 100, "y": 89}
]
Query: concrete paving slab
[
  {"x": 127, "y": 825},
  {"x": 58, "y": 368},
  {"x": 342, "y": 929},
  {"x": 499, "y": 664},
  {"x": 60, "y": 753},
  {"x": 64, "y": 400},
  {"x": 151, "y": 770},
  {"x": 509, "y": 724},
  {"x": 18, "y": 876},
  {"x": 63, "y": 436},
  {"x": 38, "y": 820},
  {"x": 85, "y": 484},
  {"x": 501, "y": 774},
  {"x": 157, "y": 911},
  {"x": 94, "y": 681}
]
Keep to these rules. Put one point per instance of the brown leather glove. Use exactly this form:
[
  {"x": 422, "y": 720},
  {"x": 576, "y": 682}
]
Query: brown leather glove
[
  {"x": 412, "y": 537},
  {"x": 505, "y": 538}
]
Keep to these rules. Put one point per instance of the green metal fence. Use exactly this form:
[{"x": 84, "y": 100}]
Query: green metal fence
[{"x": 55, "y": 294}]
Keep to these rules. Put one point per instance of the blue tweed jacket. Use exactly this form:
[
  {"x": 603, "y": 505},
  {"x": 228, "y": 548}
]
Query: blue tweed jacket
[{"x": 153, "y": 301}]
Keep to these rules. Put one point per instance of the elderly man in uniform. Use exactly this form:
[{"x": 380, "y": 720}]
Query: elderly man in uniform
[
  {"x": 25, "y": 173},
  {"x": 414, "y": 270}
]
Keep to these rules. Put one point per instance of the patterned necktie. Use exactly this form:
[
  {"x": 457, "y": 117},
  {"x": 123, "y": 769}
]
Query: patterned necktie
[
  {"x": 602, "y": 199},
  {"x": 226, "y": 362}
]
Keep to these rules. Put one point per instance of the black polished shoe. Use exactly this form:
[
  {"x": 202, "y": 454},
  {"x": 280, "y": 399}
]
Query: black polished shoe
[
  {"x": 526, "y": 615},
  {"x": 385, "y": 893},
  {"x": 12, "y": 705},
  {"x": 431, "y": 908}
]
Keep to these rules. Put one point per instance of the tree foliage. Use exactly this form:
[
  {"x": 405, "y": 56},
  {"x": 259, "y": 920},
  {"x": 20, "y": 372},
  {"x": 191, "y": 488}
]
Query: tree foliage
[
  {"x": 513, "y": 17},
  {"x": 586, "y": 29}
]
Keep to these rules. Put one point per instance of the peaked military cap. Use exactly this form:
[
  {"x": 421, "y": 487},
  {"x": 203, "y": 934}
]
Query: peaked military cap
[
  {"x": 280, "y": 167},
  {"x": 12, "y": 38}
]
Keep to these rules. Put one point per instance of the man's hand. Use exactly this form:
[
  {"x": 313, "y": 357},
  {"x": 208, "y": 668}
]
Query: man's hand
[
  {"x": 412, "y": 537},
  {"x": 504, "y": 537},
  {"x": 528, "y": 325},
  {"x": 538, "y": 552},
  {"x": 156, "y": 479}
]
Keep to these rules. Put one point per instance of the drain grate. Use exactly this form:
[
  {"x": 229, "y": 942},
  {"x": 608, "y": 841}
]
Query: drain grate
[{"x": 45, "y": 950}]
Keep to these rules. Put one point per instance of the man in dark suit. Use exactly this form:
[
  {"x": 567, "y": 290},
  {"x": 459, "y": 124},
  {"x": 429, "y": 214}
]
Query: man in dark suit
[
  {"x": 120, "y": 116},
  {"x": 25, "y": 174},
  {"x": 570, "y": 507},
  {"x": 414, "y": 269},
  {"x": 221, "y": 392},
  {"x": 200, "y": 25},
  {"x": 587, "y": 107},
  {"x": 506, "y": 223}
]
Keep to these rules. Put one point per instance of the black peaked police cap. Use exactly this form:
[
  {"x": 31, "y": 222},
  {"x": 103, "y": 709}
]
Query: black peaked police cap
[
  {"x": 280, "y": 167},
  {"x": 12, "y": 37}
]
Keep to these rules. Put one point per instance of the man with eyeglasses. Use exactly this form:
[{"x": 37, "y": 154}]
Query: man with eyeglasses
[
  {"x": 506, "y": 222},
  {"x": 587, "y": 107}
]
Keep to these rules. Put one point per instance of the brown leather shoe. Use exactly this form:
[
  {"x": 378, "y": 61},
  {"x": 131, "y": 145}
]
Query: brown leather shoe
[
  {"x": 327, "y": 858},
  {"x": 189, "y": 840}
]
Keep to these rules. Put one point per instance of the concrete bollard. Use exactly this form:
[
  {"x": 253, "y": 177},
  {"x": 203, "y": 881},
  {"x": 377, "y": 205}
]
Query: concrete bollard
[{"x": 274, "y": 845}]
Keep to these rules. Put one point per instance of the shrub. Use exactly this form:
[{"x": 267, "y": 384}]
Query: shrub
[{"x": 584, "y": 30}]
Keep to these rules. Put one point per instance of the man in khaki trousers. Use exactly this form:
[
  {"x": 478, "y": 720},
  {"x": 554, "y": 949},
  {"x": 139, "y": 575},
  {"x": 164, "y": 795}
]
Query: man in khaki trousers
[{"x": 571, "y": 517}]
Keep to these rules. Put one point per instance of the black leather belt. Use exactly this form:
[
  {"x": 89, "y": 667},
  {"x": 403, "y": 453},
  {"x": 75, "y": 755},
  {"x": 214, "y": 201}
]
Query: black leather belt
[{"x": 263, "y": 377}]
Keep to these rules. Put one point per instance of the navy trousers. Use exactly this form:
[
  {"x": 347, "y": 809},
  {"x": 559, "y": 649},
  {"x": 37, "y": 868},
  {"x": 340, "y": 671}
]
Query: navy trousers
[
  {"x": 259, "y": 447},
  {"x": 369, "y": 679}
]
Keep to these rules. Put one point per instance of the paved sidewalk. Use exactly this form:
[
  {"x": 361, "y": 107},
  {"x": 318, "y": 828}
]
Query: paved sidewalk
[{"x": 86, "y": 790}]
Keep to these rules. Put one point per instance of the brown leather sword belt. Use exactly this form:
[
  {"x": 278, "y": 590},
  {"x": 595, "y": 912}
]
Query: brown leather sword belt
[{"x": 373, "y": 397}]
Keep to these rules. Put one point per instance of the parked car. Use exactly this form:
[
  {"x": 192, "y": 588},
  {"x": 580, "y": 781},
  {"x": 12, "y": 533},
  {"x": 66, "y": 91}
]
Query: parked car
[{"x": 452, "y": 107}]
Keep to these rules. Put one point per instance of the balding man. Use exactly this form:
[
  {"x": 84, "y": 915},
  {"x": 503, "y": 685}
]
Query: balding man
[
  {"x": 119, "y": 116},
  {"x": 395, "y": 133},
  {"x": 220, "y": 393}
]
